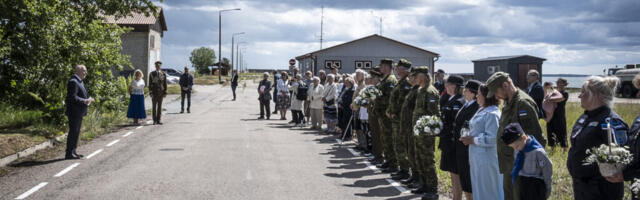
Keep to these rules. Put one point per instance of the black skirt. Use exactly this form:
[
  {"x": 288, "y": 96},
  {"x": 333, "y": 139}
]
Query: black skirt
[
  {"x": 448, "y": 154},
  {"x": 462, "y": 165}
]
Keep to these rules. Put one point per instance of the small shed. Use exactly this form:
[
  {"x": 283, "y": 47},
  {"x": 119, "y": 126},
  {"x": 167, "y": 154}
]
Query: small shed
[{"x": 517, "y": 66}]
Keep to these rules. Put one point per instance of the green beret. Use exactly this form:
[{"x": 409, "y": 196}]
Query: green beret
[
  {"x": 404, "y": 63},
  {"x": 420, "y": 70},
  {"x": 386, "y": 61},
  {"x": 495, "y": 81}
]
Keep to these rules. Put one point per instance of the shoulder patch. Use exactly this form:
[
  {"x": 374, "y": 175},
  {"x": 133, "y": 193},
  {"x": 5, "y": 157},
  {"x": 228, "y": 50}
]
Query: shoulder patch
[
  {"x": 522, "y": 113},
  {"x": 432, "y": 100}
]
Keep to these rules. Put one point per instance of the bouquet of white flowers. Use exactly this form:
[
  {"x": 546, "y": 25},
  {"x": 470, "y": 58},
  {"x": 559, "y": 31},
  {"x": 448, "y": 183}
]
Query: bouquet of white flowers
[
  {"x": 367, "y": 96},
  {"x": 635, "y": 187},
  {"x": 610, "y": 158},
  {"x": 429, "y": 125}
]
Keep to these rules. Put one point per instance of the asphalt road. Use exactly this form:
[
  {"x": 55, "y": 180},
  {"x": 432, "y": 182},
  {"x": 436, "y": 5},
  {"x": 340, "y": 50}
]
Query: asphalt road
[{"x": 219, "y": 151}]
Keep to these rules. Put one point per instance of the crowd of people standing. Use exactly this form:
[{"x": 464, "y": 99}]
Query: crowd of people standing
[{"x": 491, "y": 142}]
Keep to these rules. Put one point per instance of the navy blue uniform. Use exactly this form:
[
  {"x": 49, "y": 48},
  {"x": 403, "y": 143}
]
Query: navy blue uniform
[
  {"x": 633, "y": 170},
  {"x": 447, "y": 140},
  {"x": 591, "y": 131}
]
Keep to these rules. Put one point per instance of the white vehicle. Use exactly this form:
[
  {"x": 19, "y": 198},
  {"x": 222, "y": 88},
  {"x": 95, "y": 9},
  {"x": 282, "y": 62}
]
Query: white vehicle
[{"x": 626, "y": 76}]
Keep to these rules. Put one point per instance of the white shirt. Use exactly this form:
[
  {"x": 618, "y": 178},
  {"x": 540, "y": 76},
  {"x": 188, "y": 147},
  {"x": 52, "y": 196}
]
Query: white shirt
[
  {"x": 137, "y": 87},
  {"x": 283, "y": 86}
]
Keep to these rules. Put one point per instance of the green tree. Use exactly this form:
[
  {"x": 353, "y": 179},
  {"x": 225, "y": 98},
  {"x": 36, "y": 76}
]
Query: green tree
[
  {"x": 201, "y": 58},
  {"x": 226, "y": 64},
  {"x": 42, "y": 40}
]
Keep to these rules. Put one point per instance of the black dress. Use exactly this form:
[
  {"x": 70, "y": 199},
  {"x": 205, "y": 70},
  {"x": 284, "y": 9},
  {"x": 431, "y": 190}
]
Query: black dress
[
  {"x": 462, "y": 151},
  {"x": 447, "y": 140},
  {"x": 632, "y": 170}
]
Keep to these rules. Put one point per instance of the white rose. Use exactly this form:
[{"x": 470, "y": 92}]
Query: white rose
[
  {"x": 416, "y": 132},
  {"x": 436, "y": 131},
  {"x": 427, "y": 129}
]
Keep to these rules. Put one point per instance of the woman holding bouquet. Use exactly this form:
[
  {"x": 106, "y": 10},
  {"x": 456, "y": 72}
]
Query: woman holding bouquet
[
  {"x": 596, "y": 98},
  {"x": 461, "y": 129},
  {"x": 453, "y": 87},
  {"x": 486, "y": 179}
]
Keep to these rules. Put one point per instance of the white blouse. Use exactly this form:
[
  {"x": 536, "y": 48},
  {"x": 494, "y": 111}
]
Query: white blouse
[{"x": 137, "y": 87}]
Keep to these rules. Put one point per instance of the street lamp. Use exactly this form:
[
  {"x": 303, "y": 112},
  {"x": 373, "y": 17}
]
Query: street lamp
[
  {"x": 220, "y": 41},
  {"x": 238, "y": 53},
  {"x": 233, "y": 65}
]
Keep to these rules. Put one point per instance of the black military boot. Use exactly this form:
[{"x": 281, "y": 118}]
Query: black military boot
[
  {"x": 410, "y": 179},
  {"x": 390, "y": 169},
  {"x": 420, "y": 190},
  {"x": 414, "y": 185},
  {"x": 430, "y": 196},
  {"x": 384, "y": 165},
  {"x": 402, "y": 174}
]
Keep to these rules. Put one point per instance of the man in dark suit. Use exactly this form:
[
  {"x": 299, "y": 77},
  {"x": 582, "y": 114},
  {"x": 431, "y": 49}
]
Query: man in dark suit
[
  {"x": 77, "y": 102},
  {"x": 234, "y": 83},
  {"x": 186, "y": 83},
  {"x": 535, "y": 90},
  {"x": 264, "y": 89},
  {"x": 158, "y": 89},
  {"x": 276, "y": 76}
]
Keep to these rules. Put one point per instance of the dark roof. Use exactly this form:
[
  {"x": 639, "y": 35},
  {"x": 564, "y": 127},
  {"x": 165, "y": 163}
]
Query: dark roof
[
  {"x": 371, "y": 36},
  {"x": 139, "y": 19},
  {"x": 506, "y": 58}
]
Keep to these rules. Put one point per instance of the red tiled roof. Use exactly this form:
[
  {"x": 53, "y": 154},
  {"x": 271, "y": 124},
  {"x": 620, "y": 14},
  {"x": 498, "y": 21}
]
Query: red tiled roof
[{"x": 139, "y": 18}]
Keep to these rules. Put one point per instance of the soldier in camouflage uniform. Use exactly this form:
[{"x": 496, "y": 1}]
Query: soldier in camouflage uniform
[
  {"x": 520, "y": 108},
  {"x": 374, "y": 128},
  {"x": 406, "y": 130},
  {"x": 380, "y": 105},
  {"x": 427, "y": 102},
  {"x": 396, "y": 99}
]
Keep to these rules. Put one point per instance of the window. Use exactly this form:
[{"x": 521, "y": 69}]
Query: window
[
  {"x": 329, "y": 63},
  {"x": 361, "y": 64},
  {"x": 152, "y": 42},
  {"x": 367, "y": 64},
  {"x": 493, "y": 69}
]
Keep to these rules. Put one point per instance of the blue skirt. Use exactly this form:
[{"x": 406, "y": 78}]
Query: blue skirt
[{"x": 136, "y": 107}]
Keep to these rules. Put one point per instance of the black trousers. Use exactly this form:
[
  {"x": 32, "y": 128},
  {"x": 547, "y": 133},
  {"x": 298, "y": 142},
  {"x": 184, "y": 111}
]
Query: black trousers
[
  {"x": 182, "y": 95},
  {"x": 298, "y": 117},
  {"x": 557, "y": 132},
  {"x": 156, "y": 108},
  {"x": 265, "y": 106},
  {"x": 364, "y": 128},
  {"x": 597, "y": 189},
  {"x": 532, "y": 188},
  {"x": 233, "y": 89},
  {"x": 75, "y": 124}
]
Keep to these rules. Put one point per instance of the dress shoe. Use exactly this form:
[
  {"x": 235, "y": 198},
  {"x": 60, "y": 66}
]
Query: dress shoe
[
  {"x": 188, "y": 111},
  {"x": 159, "y": 123},
  {"x": 418, "y": 191},
  {"x": 430, "y": 196},
  {"x": 400, "y": 175},
  {"x": 71, "y": 157},
  {"x": 182, "y": 111},
  {"x": 260, "y": 117},
  {"x": 78, "y": 155},
  {"x": 414, "y": 185}
]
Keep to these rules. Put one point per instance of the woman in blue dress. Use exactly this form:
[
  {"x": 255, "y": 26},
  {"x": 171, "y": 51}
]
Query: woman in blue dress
[
  {"x": 486, "y": 180},
  {"x": 136, "y": 102}
]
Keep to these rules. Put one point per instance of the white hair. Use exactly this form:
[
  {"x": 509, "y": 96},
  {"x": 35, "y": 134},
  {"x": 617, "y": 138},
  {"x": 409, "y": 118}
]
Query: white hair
[
  {"x": 315, "y": 78},
  {"x": 331, "y": 76},
  {"x": 603, "y": 87},
  {"x": 534, "y": 72}
]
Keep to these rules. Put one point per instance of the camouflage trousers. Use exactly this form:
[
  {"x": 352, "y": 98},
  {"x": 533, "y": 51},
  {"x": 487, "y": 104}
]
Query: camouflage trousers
[
  {"x": 386, "y": 130},
  {"x": 400, "y": 145},
  {"x": 425, "y": 148},
  {"x": 376, "y": 140}
]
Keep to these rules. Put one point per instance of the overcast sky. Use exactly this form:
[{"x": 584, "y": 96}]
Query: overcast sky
[{"x": 575, "y": 36}]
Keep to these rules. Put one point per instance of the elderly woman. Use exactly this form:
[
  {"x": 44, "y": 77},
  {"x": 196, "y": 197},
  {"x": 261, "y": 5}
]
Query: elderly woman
[
  {"x": 632, "y": 171},
  {"x": 136, "y": 102},
  {"x": 316, "y": 92},
  {"x": 359, "y": 79},
  {"x": 344, "y": 107},
  {"x": 296, "y": 104},
  {"x": 486, "y": 179},
  {"x": 596, "y": 98},
  {"x": 284, "y": 102},
  {"x": 329, "y": 99}
]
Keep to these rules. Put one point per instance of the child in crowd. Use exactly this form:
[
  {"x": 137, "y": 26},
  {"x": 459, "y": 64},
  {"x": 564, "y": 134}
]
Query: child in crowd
[{"x": 532, "y": 165}]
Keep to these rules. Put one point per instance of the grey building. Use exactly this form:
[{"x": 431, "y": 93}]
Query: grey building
[
  {"x": 365, "y": 53},
  {"x": 517, "y": 66},
  {"x": 143, "y": 43}
]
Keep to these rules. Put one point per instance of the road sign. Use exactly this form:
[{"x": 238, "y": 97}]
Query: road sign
[{"x": 292, "y": 62}]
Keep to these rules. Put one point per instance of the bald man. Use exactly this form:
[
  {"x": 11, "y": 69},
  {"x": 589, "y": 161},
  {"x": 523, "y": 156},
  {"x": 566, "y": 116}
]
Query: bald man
[{"x": 77, "y": 102}]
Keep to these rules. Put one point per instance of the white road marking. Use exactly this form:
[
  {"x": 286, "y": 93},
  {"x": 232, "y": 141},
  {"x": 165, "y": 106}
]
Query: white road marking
[
  {"x": 32, "y": 190},
  {"x": 149, "y": 122},
  {"x": 353, "y": 152},
  {"x": 127, "y": 134},
  {"x": 112, "y": 143},
  {"x": 372, "y": 167},
  {"x": 396, "y": 185},
  {"x": 65, "y": 170},
  {"x": 94, "y": 153},
  {"x": 339, "y": 141},
  {"x": 139, "y": 127}
]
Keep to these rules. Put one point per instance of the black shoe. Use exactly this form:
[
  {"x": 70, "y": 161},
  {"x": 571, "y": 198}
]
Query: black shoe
[
  {"x": 154, "y": 122},
  {"x": 71, "y": 157},
  {"x": 260, "y": 117},
  {"x": 159, "y": 123},
  {"x": 275, "y": 112},
  {"x": 182, "y": 111},
  {"x": 409, "y": 180},
  {"x": 418, "y": 191},
  {"x": 400, "y": 175},
  {"x": 430, "y": 196},
  {"x": 390, "y": 170},
  {"x": 414, "y": 185},
  {"x": 267, "y": 118},
  {"x": 188, "y": 111},
  {"x": 384, "y": 165},
  {"x": 78, "y": 155}
]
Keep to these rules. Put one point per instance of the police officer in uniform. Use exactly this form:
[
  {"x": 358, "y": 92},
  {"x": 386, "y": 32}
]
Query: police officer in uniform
[
  {"x": 460, "y": 127},
  {"x": 374, "y": 127},
  {"x": 380, "y": 104},
  {"x": 396, "y": 100},
  {"x": 518, "y": 108},
  {"x": 406, "y": 130},
  {"x": 426, "y": 103},
  {"x": 453, "y": 87},
  {"x": 591, "y": 130}
]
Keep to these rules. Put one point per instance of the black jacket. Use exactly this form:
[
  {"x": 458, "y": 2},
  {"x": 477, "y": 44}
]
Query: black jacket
[
  {"x": 588, "y": 132},
  {"x": 76, "y": 95},
  {"x": 462, "y": 119},
  {"x": 537, "y": 94},
  {"x": 186, "y": 81},
  {"x": 266, "y": 96},
  {"x": 234, "y": 80},
  {"x": 449, "y": 112},
  {"x": 633, "y": 170}
]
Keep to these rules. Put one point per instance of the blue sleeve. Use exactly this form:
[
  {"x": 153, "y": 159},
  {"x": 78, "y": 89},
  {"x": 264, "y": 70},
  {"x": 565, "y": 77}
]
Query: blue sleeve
[{"x": 489, "y": 136}]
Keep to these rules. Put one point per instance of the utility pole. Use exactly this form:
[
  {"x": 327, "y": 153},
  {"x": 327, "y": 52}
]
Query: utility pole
[
  {"x": 321, "y": 25},
  {"x": 380, "y": 25},
  {"x": 233, "y": 65},
  {"x": 220, "y": 42}
]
